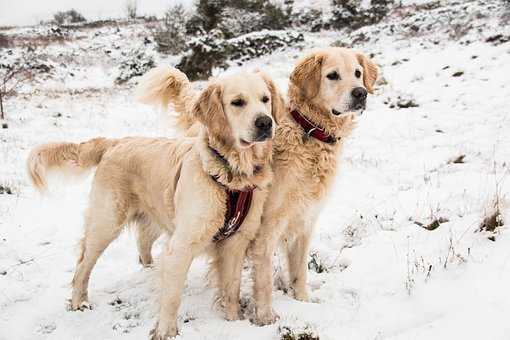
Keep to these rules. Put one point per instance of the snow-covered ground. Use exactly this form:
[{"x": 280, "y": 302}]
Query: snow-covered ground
[{"x": 385, "y": 276}]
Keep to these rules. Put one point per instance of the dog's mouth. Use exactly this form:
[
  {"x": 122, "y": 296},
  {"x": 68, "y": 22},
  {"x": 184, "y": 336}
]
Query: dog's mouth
[
  {"x": 357, "y": 108},
  {"x": 262, "y": 138},
  {"x": 335, "y": 112},
  {"x": 245, "y": 144}
]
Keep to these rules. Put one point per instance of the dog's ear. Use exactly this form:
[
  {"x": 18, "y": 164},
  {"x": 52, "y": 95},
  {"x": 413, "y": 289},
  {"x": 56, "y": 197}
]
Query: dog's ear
[
  {"x": 277, "y": 100},
  {"x": 370, "y": 71},
  {"x": 208, "y": 109},
  {"x": 307, "y": 75}
]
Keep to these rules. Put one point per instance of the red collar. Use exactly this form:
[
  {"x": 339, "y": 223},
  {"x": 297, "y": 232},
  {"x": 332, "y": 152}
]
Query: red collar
[{"x": 312, "y": 129}]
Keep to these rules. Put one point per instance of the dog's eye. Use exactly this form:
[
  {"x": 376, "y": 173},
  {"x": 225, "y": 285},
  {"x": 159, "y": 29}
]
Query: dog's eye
[
  {"x": 333, "y": 76},
  {"x": 265, "y": 99},
  {"x": 357, "y": 73},
  {"x": 238, "y": 102}
]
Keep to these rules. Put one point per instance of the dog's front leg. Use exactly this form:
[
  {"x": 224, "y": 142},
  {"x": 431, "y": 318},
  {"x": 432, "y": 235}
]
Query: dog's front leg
[
  {"x": 231, "y": 257},
  {"x": 297, "y": 255},
  {"x": 175, "y": 262},
  {"x": 263, "y": 250}
]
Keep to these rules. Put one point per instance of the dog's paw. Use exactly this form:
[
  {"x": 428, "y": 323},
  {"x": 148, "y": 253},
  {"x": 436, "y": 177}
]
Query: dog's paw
[
  {"x": 263, "y": 319},
  {"x": 301, "y": 295},
  {"x": 232, "y": 314},
  {"x": 79, "y": 306},
  {"x": 146, "y": 263},
  {"x": 161, "y": 334}
]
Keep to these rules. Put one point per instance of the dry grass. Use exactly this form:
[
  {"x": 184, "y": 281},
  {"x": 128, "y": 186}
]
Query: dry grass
[
  {"x": 39, "y": 40},
  {"x": 493, "y": 220},
  {"x": 460, "y": 159},
  {"x": 434, "y": 224},
  {"x": 287, "y": 333}
]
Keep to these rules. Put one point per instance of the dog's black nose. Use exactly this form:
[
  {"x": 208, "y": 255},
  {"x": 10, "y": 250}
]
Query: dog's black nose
[
  {"x": 359, "y": 93},
  {"x": 264, "y": 123}
]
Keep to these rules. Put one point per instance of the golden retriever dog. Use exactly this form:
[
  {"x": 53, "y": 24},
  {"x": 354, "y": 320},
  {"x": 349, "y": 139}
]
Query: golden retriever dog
[
  {"x": 185, "y": 187},
  {"x": 327, "y": 89}
]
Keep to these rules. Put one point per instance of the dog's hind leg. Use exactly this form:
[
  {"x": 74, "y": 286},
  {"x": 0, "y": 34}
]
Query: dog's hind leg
[
  {"x": 147, "y": 234},
  {"x": 102, "y": 225}
]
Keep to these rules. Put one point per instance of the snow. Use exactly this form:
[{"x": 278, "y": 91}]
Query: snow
[{"x": 386, "y": 278}]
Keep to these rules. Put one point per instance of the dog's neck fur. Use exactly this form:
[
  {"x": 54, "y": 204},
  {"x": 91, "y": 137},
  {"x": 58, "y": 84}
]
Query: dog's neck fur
[
  {"x": 338, "y": 127},
  {"x": 236, "y": 169}
]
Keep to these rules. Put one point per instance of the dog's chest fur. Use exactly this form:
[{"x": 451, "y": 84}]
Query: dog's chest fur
[{"x": 308, "y": 165}]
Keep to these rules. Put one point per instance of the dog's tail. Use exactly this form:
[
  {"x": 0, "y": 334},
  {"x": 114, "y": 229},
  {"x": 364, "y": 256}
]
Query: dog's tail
[
  {"x": 164, "y": 85},
  {"x": 71, "y": 158}
]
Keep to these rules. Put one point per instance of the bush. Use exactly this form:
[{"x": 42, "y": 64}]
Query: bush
[
  {"x": 18, "y": 67},
  {"x": 237, "y": 17},
  {"x": 257, "y": 44},
  {"x": 171, "y": 36},
  {"x": 208, "y": 15},
  {"x": 4, "y": 189},
  {"x": 301, "y": 333},
  {"x": 211, "y": 51},
  {"x": 205, "y": 53},
  {"x": 4, "y": 41},
  {"x": 239, "y": 21},
  {"x": 312, "y": 19},
  {"x": 68, "y": 17},
  {"x": 135, "y": 63},
  {"x": 276, "y": 17},
  {"x": 350, "y": 14}
]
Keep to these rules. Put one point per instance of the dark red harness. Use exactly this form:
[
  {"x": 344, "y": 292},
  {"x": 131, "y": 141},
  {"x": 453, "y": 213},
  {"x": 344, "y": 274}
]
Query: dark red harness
[
  {"x": 238, "y": 206},
  {"x": 312, "y": 129}
]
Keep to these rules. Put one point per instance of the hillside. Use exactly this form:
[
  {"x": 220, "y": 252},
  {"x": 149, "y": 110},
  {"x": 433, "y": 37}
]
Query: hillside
[{"x": 399, "y": 252}]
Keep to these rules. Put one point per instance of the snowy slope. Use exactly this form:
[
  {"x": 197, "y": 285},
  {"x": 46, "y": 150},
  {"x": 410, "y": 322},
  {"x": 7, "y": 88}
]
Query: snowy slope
[{"x": 385, "y": 277}]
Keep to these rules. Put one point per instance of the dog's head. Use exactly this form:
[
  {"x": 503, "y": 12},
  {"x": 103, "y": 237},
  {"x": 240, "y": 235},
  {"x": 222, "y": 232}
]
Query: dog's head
[
  {"x": 335, "y": 79},
  {"x": 241, "y": 108}
]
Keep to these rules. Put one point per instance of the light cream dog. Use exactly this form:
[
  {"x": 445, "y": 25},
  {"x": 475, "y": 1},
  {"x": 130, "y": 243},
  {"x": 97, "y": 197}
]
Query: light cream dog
[
  {"x": 177, "y": 186},
  {"x": 327, "y": 89}
]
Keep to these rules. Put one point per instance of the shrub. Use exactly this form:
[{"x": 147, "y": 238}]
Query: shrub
[
  {"x": 277, "y": 17},
  {"x": 211, "y": 51},
  {"x": 18, "y": 67},
  {"x": 205, "y": 53},
  {"x": 239, "y": 21},
  {"x": 301, "y": 333},
  {"x": 350, "y": 13},
  {"x": 171, "y": 36},
  {"x": 257, "y": 44},
  {"x": 208, "y": 15},
  {"x": 237, "y": 17},
  {"x": 4, "y": 189},
  {"x": 312, "y": 19},
  {"x": 68, "y": 17},
  {"x": 4, "y": 41},
  {"x": 135, "y": 63}
]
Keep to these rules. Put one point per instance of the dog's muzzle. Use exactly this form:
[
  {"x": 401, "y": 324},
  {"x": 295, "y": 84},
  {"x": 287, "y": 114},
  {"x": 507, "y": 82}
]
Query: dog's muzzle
[
  {"x": 359, "y": 99},
  {"x": 264, "y": 128}
]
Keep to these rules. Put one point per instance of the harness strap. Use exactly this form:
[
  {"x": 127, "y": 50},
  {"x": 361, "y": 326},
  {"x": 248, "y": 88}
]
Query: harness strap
[{"x": 238, "y": 206}]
